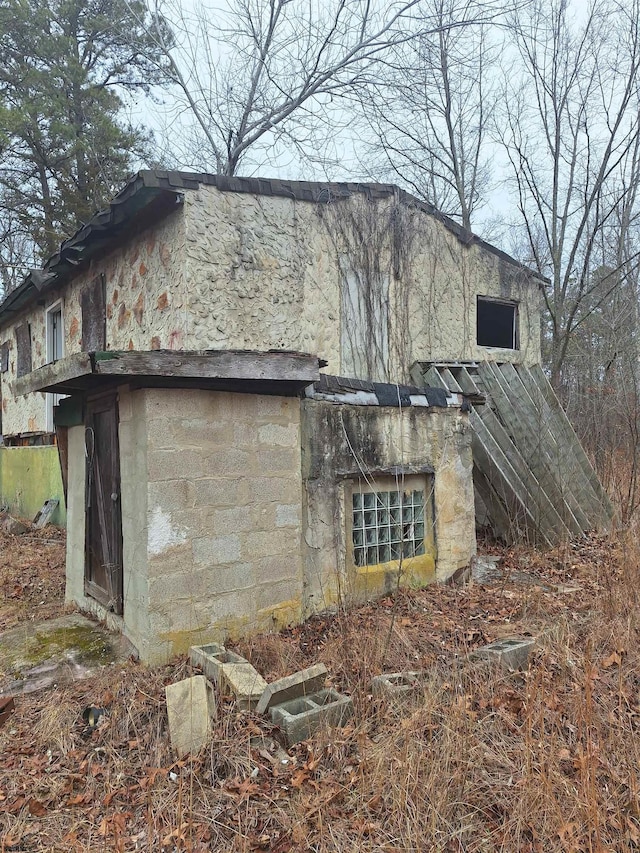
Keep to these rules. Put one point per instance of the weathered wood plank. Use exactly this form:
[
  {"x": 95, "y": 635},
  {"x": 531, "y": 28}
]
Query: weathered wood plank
[
  {"x": 94, "y": 318},
  {"x": 525, "y": 434},
  {"x": 545, "y": 512},
  {"x": 511, "y": 492},
  {"x": 450, "y": 381},
  {"x": 552, "y": 451},
  {"x": 541, "y": 453},
  {"x": 466, "y": 382},
  {"x": 568, "y": 474},
  {"x": 71, "y": 367},
  {"x": 499, "y": 521},
  {"x": 538, "y": 375},
  {"x": 274, "y": 366},
  {"x": 433, "y": 379},
  {"x": 571, "y": 454}
]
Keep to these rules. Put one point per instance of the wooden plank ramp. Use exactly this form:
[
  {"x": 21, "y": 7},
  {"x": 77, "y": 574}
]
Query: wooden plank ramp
[{"x": 531, "y": 474}]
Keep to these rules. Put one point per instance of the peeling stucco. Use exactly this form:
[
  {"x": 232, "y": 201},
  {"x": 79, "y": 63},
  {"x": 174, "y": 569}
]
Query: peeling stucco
[{"x": 162, "y": 533}]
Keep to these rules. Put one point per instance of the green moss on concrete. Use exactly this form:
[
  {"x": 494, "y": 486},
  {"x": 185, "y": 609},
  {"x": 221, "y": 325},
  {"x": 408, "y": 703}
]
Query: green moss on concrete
[
  {"x": 28, "y": 477},
  {"x": 92, "y": 647}
]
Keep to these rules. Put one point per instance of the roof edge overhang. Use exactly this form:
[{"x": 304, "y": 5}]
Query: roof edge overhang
[
  {"x": 135, "y": 207},
  {"x": 273, "y": 372}
]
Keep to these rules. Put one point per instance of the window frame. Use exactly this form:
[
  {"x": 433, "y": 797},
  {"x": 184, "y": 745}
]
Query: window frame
[
  {"x": 381, "y": 484},
  {"x": 52, "y": 400},
  {"x": 511, "y": 303}
]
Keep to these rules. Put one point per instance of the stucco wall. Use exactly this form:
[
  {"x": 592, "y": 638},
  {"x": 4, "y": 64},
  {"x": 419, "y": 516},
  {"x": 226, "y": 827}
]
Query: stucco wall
[
  {"x": 235, "y": 270},
  {"x": 271, "y": 272},
  {"x": 343, "y": 444},
  {"x": 28, "y": 477},
  {"x": 145, "y": 284}
]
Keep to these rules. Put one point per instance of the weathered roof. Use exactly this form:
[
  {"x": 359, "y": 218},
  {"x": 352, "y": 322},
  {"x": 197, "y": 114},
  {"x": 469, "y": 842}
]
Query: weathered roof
[
  {"x": 362, "y": 392},
  {"x": 152, "y": 193}
]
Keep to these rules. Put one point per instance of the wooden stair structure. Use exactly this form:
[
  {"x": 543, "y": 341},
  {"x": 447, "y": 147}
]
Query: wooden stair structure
[{"x": 532, "y": 478}]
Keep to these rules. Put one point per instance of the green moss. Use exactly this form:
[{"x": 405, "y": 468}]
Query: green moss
[{"x": 93, "y": 647}]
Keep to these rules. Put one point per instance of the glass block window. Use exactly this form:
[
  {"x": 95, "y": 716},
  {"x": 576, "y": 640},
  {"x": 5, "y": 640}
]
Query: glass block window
[{"x": 387, "y": 525}]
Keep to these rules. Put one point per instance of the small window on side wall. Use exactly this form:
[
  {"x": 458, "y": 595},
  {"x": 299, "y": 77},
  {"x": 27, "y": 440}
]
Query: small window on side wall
[
  {"x": 390, "y": 521},
  {"x": 23, "y": 349},
  {"x": 497, "y": 323}
]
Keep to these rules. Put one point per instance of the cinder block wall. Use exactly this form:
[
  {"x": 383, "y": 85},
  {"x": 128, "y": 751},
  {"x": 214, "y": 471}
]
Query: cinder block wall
[
  {"x": 28, "y": 477},
  {"x": 223, "y": 516}
]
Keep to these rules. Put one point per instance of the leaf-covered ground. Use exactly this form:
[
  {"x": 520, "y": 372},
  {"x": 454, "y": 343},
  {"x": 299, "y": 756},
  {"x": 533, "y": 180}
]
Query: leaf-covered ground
[
  {"x": 31, "y": 576},
  {"x": 481, "y": 760}
]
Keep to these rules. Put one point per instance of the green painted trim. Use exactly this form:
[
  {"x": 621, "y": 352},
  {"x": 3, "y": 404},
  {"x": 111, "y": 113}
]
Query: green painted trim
[{"x": 69, "y": 412}]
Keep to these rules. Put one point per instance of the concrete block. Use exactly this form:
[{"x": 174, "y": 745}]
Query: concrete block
[
  {"x": 245, "y": 682},
  {"x": 216, "y": 550},
  {"x": 190, "y": 706},
  {"x": 288, "y": 515},
  {"x": 216, "y": 491},
  {"x": 211, "y": 658},
  {"x": 276, "y": 434},
  {"x": 510, "y": 652},
  {"x": 295, "y": 686},
  {"x": 397, "y": 686},
  {"x": 285, "y": 490},
  {"x": 14, "y": 527},
  {"x": 279, "y": 460},
  {"x": 300, "y": 718}
]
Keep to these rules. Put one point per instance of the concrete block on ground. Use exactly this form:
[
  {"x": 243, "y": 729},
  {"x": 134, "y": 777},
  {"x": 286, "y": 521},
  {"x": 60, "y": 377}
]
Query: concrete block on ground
[
  {"x": 245, "y": 682},
  {"x": 14, "y": 527},
  {"x": 190, "y": 706},
  {"x": 510, "y": 652},
  {"x": 300, "y": 718},
  {"x": 211, "y": 658},
  {"x": 397, "y": 686},
  {"x": 294, "y": 686}
]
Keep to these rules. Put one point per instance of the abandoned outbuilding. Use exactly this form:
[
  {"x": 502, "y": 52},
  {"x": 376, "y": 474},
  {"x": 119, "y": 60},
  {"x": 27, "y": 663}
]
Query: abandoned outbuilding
[{"x": 264, "y": 394}]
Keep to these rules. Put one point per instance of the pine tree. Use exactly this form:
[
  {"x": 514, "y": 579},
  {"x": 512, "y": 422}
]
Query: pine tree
[{"x": 68, "y": 66}]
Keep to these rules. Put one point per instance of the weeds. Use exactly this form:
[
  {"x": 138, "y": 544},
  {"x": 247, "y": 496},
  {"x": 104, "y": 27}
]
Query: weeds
[{"x": 481, "y": 760}]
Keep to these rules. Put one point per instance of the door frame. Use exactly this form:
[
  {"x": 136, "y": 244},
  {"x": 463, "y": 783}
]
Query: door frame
[{"x": 110, "y": 539}]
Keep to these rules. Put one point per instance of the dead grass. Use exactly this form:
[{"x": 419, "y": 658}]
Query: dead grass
[
  {"x": 543, "y": 760},
  {"x": 31, "y": 576}
]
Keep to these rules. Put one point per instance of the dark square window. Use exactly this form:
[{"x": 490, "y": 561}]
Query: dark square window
[{"x": 497, "y": 323}]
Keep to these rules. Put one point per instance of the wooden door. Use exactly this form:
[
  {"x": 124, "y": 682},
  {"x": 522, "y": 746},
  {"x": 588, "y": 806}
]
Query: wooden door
[{"x": 103, "y": 540}]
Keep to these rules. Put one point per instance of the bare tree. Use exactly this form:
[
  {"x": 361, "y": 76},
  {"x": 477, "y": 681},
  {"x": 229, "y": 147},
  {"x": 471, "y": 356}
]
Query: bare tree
[
  {"x": 430, "y": 109},
  {"x": 570, "y": 128},
  {"x": 261, "y": 71}
]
